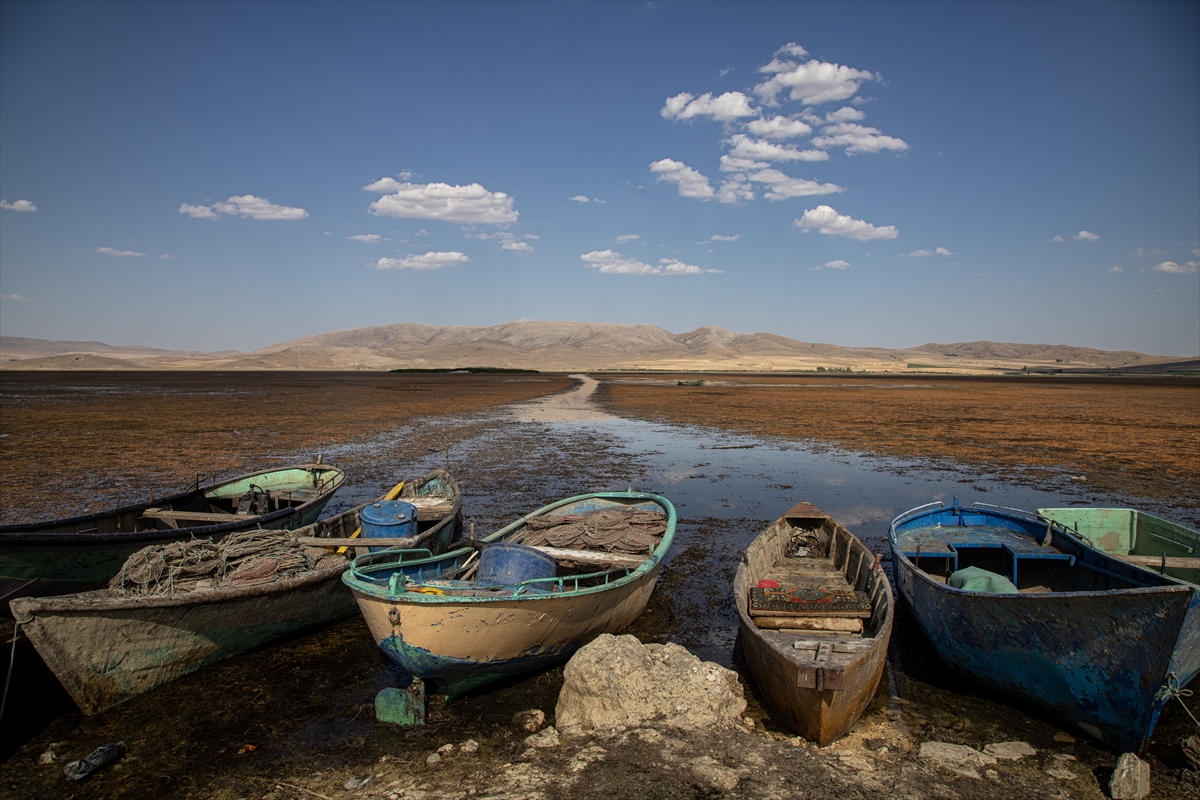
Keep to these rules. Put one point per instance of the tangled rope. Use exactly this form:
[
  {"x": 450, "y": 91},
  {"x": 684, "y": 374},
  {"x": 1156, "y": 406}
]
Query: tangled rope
[
  {"x": 632, "y": 532},
  {"x": 245, "y": 558},
  {"x": 1172, "y": 689}
]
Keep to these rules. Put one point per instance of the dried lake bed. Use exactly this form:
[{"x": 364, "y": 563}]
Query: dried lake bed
[{"x": 296, "y": 720}]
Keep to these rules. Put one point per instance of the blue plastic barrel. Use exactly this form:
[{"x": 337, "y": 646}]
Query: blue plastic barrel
[
  {"x": 506, "y": 564},
  {"x": 388, "y": 519}
]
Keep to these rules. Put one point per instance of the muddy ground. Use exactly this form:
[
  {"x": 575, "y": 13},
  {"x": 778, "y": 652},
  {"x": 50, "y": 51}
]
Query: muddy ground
[{"x": 297, "y": 720}]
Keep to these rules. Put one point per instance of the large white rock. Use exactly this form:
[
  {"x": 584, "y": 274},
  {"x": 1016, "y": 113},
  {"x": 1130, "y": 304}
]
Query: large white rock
[
  {"x": 617, "y": 682},
  {"x": 1131, "y": 778}
]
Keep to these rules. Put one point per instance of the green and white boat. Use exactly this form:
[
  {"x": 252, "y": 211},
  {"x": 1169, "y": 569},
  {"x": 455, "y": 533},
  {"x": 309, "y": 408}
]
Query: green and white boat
[{"x": 1136, "y": 537}]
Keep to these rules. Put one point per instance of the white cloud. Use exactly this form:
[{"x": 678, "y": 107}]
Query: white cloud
[
  {"x": 734, "y": 190},
  {"x": 827, "y": 221},
  {"x": 1115, "y": 269},
  {"x": 247, "y": 205},
  {"x": 24, "y": 206},
  {"x": 625, "y": 238},
  {"x": 166, "y": 257},
  {"x": 792, "y": 49},
  {"x": 779, "y": 127},
  {"x": 369, "y": 238},
  {"x": 509, "y": 241},
  {"x": 581, "y": 198},
  {"x": 14, "y": 297},
  {"x": 751, "y": 149},
  {"x": 845, "y": 114},
  {"x": 1085, "y": 236},
  {"x": 609, "y": 262},
  {"x": 813, "y": 82},
  {"x": 784, "y": 186},
  {"x": 426, "y": 262},
  {"x": 837, "y": 264},
  {"x": 534, "y": 236},
  {"x": 197, "y": 212},
  {"x": 471, "y": 204},
  {"x": 732, "y": 164},
  {"x": 108, "y": 251},
  {"x": 422, "y": 232},
  {"x": 1142, "y": 252},
  {"x": 716, "y": 237},
  {"x": 857, "y": 139},
  {"x": 920, "y": 253},
  {"x": 1175, "y": 269},
  {"x": 1057, "y": 239},
  {"x": 726, "y": 107},
  {"x": 691, "y": 183},
  {"x": 941, "y": 251}
]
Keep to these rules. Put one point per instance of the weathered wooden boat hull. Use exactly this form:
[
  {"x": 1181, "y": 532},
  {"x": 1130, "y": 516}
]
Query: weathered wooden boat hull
[
  {"x": 1128, "y": 532},
  {"x": 819, "y": 704},
  {"x": 1101, "y": 651},
  {"x": 465, "y": 642},
  {"x": 82, "y": 553},
  {"x": 105, "y": 649}
]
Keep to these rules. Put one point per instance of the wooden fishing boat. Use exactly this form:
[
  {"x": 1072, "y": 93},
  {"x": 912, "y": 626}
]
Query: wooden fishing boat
[
  {"x": 82, "y": 553},
  {"x": 815, "y": 610},
  {"x": 1031, "y": 609},
  {"x": 524, "y": 597},
  {"x": 1136, "y": 537},
  {"x": 109, "y": 645}
]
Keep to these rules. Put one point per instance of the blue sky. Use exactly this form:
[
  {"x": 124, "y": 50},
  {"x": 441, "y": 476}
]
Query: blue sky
[{"x": 224, "y": 176}]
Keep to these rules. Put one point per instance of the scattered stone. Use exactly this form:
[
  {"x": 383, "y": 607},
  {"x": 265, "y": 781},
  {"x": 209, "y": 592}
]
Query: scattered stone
[
  {"x": 545, "y": 739},
  {"x": 617, "y": 681},
  {"x": 715, "y": 774},
  {"x": 402, "y": 706},
  {"x": 648, "y": 735},
  {"x": 1063, "y": 736},
  {"x": 748, "y": 722},
  {"x": 469, "y": 746},
  {"x": 354, "y": 784},
  {"x": 531, "y": 720},
  {"x": 434, "y": 758},
  {"x": 956, "y": 754},
  {"x": 992, "y": 775},
  {"x": 1061, "y": 774},
  {"x": 47, "y": 757},
  {"x": 1131, "y": 778},
  {"x": 446, "y": 749},
  {"x": 1064, "y": 757},
  {"x": 587, "y": 756},
  {"x": 1010, "y": 750},
  {"x": 1191, "y": 750}
]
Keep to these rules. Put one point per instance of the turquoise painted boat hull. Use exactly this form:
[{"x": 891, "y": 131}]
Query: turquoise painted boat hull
[
  {"x": 82, "y": 553},
  {"x": 462, "y": 635},
  {"x": 1097, "y": 641}
]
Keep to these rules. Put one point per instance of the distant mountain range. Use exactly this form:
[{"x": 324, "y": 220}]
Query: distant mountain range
[{"x": 569, "y": 346}]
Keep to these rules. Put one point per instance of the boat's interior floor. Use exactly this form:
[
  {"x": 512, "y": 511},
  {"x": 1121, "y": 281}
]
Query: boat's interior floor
[{"x": 941, "y": 541}]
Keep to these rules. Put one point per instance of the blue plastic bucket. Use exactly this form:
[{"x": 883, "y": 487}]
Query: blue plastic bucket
[
  {"x": 388, "y": 519},
  {"x": 505, "y": 564}
]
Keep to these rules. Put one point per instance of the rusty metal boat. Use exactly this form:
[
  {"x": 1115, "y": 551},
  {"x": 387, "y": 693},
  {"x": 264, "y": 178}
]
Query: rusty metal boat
[
  {"x": 816, "y": 611},
  {"x": 1030, "y": 608},
  {"x": 109, "y": 645}
]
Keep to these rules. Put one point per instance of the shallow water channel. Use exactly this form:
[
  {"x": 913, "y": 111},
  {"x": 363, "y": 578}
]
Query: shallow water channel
[{"x": 309, "y": 701}]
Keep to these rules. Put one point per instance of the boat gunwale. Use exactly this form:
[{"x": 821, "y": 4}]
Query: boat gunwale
[
  {"x": 1172, "y": 584},
  {"x": 35, "y": 533},
  {"x": 353, "y": 579}
]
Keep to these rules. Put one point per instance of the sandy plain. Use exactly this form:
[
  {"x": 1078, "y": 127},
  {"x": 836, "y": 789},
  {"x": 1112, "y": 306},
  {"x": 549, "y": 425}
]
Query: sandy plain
[{"x": 140, "y": 431}]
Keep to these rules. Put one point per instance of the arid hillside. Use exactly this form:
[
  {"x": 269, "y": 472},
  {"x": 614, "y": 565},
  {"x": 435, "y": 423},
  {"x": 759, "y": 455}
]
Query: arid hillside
[{"x": 568, "y": 346}]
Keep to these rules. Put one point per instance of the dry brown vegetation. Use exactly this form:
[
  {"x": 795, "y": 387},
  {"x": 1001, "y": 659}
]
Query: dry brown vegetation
[{"x": 1139, "y": 438}]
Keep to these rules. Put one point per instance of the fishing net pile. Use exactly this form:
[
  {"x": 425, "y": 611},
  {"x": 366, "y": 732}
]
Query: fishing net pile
[
  {"x": 634, "y": 532},
  {"x": 805, "y": 543},
  {"x": 246, "y": 558}
]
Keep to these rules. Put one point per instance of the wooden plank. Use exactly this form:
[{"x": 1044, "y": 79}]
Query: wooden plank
[
  {"x": 1156, "y": 561},
  {"x": 191, "y": 516},
  {"x": 590, "y": 557}
]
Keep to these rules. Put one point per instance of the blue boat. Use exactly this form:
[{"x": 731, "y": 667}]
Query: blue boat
[{"x": 1030, "y": 608}]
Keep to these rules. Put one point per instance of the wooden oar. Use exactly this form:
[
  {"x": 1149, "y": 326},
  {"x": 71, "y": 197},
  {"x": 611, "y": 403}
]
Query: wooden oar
[
  {"x": 392, "y": 495},
  {"x": 1161, "y": 561}
]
